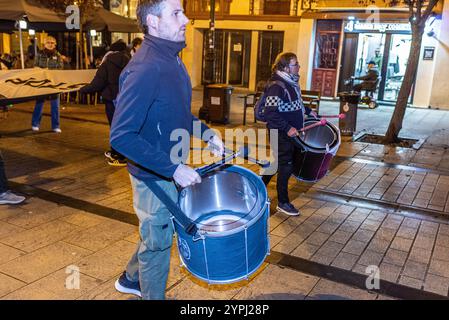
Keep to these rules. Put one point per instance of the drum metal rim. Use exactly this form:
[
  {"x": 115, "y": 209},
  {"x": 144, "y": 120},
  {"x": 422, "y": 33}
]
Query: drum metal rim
[
  {"x": 245, "y": 277},
  {"x": 335, "y": 144},
  {"x": 216, "y": 234}
]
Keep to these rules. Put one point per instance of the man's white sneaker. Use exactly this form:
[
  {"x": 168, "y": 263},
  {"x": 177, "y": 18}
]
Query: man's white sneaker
[
  {"x": 10, "y": 198},
  {"x": 35, "y": 128},
  {"x": 57, "y": 130}
]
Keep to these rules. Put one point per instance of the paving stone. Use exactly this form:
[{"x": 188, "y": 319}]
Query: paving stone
[
  {"x": 440, "y": 253},
  {"x": 276, "y": 220},
  {"x": 7, "y": 229},
  {"x": 340, "y": 237},
  {"x": 84, "y": 219},
  {"x": 350, "y": 226},
  {"x": 363, "y": 235},
  {"x": 406, "y": 232},
  {"x": 389, "y": 272},
  {"x": 436, "y": 284},
  {"x": 315, "y": 220},
  {"x": 395, "y": 257},
  {"x": 345, "y": 209},
  {"x": 428, "y": 228},
  {"x": 391, "y": 223},
  {"x": 328, "y": 227},
  {"x": 377, "y": 215},
  {"x": 330, "y": 249},
  {"x": 385, "y": 234},
  {"x": 411, "y": 282},
  {"x": 401, "y": 244},
  {"x": 31, "y": 292},
  {"x": 371, "y": 225},
  {"x": 102, "y": 235},
  {"x": 439, "y": 268},
  {"x": 41, "y": 236},
  {"x": 354, "y": 247},
  {"x": 369, "y": 258},
  {"x": 422, "y": 241},
  {"x": 361, "y": 269},
  {"x": 305, "y": 250},
  {"x": 59, "y": 284},
  {"x": 415, "y": 270},
  {"x": 444, "y": 229},
  {"x": 420, "y": 255},
  {"x": 285, "y": 284},
  {"x": 107, "y": 262},
  {"x": 9, "y": 284},
  {"x": 337, "y": 218},
  {"x": 378, "y": 245},
  {"x": 289, "y": 243},
  {"x": 329, "y": 290},
  {"x": 317, "y": 238},
  {"x": 322, "y": 259},
  {"x": 44, "y": 261},
  {"x": 442, "y": 241},
  {"x": 135, "y": 237},
  {"x": 38, "y": 215},
  {"x": 345, "y": 261},
  {"x": 106, "y": 291}
]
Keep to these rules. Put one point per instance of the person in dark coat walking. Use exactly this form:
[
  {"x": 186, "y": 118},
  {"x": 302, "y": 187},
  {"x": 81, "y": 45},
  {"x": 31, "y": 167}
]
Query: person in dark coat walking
[{"x": 106, "y": 81}]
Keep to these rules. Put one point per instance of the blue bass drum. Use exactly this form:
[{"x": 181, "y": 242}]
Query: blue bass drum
[{"x": 231, "y": 209}]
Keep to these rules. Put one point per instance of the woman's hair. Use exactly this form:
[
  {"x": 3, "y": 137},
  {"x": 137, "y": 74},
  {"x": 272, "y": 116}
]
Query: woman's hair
[
  {"x": 282, "y": 60},
  {"x": 119, "y": 45}
]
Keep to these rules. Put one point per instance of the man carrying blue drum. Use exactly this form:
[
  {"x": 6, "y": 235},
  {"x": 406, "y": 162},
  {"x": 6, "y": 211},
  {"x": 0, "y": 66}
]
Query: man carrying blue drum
[{"x": 154, "y": 100}]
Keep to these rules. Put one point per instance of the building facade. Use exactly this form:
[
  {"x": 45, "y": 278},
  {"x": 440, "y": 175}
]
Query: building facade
[{"x": 333, "y": 40}]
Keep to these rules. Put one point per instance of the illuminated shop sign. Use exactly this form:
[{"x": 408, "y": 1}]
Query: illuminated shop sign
[{"x": 357, "y": 26}]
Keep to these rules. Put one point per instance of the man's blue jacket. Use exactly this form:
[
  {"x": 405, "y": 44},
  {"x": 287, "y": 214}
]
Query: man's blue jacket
[{"x": 154, "y": 99}]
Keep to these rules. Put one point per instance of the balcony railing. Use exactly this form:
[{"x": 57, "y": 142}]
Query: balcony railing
[{"x": 226, "y": 9}]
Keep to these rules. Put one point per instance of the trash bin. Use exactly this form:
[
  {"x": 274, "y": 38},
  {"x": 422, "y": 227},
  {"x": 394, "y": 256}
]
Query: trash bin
[
  {"x": 219, "y": 102},
  {"x": 348, "y": 106}
]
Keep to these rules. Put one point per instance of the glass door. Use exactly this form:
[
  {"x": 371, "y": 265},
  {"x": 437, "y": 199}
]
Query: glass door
[
  {"x": 397, "y": 62},
  {"x": 232, "y": 57}
]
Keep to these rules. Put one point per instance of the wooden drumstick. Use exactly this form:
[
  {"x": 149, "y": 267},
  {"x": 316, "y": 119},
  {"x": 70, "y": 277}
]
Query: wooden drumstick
[{"x": 322, "y": 122}]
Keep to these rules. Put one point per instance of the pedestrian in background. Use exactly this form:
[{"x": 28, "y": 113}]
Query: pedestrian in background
[
  {"x": 48, "y": 58},
  {"x": 106, "y": 81}
]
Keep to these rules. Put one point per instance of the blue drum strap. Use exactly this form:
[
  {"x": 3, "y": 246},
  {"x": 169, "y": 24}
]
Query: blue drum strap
[{"x": 180, "y": 217}]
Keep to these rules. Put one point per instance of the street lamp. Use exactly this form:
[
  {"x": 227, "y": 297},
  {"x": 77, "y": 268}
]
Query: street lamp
[
  {"x": 21, "y": 24},
  {"x": 93, "y": 33}
]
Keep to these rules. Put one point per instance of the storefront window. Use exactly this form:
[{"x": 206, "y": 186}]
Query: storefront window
[
  {"x": 371, "y": 47},
  {"x": 397, "y": 62}
]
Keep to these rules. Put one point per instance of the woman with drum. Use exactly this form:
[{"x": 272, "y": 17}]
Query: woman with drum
[{"x": 284, "y": 111}]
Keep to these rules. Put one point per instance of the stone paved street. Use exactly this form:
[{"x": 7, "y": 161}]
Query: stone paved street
[{"x": 379, "y": 206}]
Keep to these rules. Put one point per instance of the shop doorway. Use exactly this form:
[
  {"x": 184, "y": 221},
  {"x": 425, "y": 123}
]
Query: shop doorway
[
  {"x": 389, "y": 52},
  {"x": 232, "y": 56}
]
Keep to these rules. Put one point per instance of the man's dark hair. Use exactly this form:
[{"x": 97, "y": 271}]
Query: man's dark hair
[
  {"x": 136, "y": 42},
  {"x": 146, "y": 7},
  {"x": 282, "y": 61}
]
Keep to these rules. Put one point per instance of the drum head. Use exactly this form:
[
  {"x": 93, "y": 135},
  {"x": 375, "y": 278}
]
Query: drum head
[
  {"x": 319, "y": 137},
  {"x": 224, "y": 201}
]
